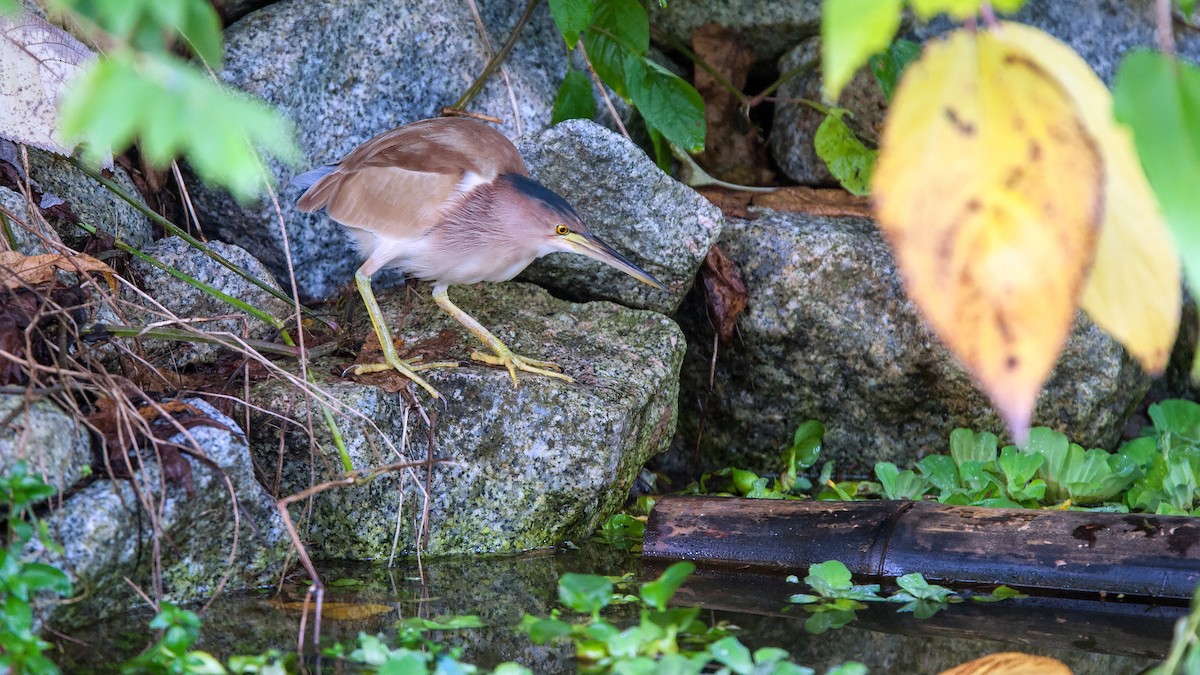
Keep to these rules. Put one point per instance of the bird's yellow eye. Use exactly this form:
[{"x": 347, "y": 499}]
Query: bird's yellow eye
[{"x": 562, "y": 230}]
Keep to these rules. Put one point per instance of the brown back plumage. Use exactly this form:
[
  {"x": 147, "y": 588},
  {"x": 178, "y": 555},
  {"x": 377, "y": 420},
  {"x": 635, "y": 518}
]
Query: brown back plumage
[{"x": 398, "y": 183}]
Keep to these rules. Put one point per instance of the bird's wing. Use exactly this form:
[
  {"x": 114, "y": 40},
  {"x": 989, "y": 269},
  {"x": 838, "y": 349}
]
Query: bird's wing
[{"x": 398, "y": 183}]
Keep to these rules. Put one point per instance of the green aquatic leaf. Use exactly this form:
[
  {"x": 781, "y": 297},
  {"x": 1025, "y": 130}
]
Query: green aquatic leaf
[
  {"x": 574, "y": 99},
  {"x": 666, "y": 102},
  {"x": 851, "y": 31}
]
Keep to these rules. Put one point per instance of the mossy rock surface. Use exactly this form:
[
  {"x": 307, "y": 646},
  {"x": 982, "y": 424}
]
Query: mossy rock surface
[{"x": 518, "y": 468}]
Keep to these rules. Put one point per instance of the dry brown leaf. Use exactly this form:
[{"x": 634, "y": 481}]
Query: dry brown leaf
[
  {"x": 734, "y": 149},
  {"x": 1011, "y": 663},
  {"x": 18, "y": 270},
  {"x": 815, "y": 201},
  {"x": 37, "y": 60},
  {"x": 19, "y": 309},
  {"x": 724, "y": 291}
]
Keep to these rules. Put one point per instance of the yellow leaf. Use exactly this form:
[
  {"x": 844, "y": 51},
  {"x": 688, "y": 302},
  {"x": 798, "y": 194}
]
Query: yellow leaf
[
  {"x": 1011, "y": 663},
  {"x": 1134, "y": 291},
  {"x": 990, "y": 190}
]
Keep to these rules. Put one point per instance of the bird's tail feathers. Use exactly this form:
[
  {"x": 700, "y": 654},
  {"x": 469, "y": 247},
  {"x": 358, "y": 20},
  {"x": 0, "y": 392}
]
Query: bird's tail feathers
[{"x": 308, "y": 178}]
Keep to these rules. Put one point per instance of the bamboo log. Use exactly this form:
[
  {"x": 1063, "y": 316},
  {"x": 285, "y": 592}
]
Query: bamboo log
[{"x": 1062, "y": 552}]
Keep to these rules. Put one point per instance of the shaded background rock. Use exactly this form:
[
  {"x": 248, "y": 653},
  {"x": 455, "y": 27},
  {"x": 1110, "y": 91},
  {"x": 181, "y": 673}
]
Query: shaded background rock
[
  {"x": 654, "y": 220},
  {"x": 770, "y": 27},
  {"x": 795, "y": 124},
  {"x": 107, "y": 536},
  {"x": 381, "y": 65},
  {"x": 190, "y": 302},
  {"x": 828, "y": 334},
  {"x": 525, "y": 467}
]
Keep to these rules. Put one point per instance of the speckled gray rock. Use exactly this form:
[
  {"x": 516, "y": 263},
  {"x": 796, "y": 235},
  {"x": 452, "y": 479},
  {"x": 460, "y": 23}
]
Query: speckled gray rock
[
  {"x": 654, "y": 220},
  {"x": 46, "y": 438},
  {"x": 828, "y": 334},
  {"x": 60, "y": 183},
  {"x": 523, "y": 467},
  {"x": 771, "y": 27},
  {"x": 795, "y": 124},
  {"x": 106, "y": 532},
  {"x": 345, "y": 70},
  {"x": 188, "y": 302}
]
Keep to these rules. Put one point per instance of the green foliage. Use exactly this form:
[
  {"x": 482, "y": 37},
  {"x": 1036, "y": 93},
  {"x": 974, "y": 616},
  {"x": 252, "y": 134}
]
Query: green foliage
[
  {"x": 138, "y": 92},
  {"x": 664, "y": 640},
  {"x": 888, "y": 66},
  {"x": 616, "y": 35},
  {"x": 21, "y": 650},
  {"x": 837, "y": 599},
  {"x": 574, "y": 99},
  {"x": 1158, "y": 472},
  {"x": 173, "y": 652},
  {"x": 171, "y": 109},
  {"x": 848, "y": 159},
  {"x": 851, "y": 32}
]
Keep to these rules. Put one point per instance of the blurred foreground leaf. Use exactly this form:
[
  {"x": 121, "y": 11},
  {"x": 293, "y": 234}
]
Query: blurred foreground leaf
[{"x": 172, "y": 109}]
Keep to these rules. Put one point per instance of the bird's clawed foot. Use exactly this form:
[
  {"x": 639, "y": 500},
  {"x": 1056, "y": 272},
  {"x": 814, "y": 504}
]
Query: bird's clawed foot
[
  {"x": 514, "y": 362},
  {"x": 405, "y": 368}
]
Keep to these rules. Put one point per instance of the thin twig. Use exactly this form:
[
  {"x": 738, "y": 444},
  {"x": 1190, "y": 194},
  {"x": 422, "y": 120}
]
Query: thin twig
[
  {"x": 491, "y": 52},
  {"x": 498, "y": 59},
  {"x": 612, "y": 110}
]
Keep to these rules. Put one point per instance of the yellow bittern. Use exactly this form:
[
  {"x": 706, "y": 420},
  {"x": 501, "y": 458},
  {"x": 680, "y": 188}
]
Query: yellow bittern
[{"x": 450, "y": 201}]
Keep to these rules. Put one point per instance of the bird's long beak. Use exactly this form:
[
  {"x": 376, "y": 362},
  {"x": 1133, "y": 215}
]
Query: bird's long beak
[{"x": 593, "y": 247}]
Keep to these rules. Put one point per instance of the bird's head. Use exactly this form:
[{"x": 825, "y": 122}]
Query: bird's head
[{"x": 557, "y": 227}]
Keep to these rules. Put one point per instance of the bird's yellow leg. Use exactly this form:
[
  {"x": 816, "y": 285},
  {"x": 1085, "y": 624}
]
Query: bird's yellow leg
[
  {"x": 392, "y": 360},
  {"x": 503, "y": 355}
]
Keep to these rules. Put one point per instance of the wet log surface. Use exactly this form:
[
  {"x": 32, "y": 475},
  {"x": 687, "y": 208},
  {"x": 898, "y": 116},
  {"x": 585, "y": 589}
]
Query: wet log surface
[{"x": 1068, "y": 553}]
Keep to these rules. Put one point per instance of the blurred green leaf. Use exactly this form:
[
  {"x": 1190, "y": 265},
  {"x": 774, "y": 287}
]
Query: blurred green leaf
[
  {"x": 173, "y": 109},
  {"x": 666, "y": 102},
  {"x": 1158, "y": 97},
  {"x": 659, "y": 592},
  {"x": 960, "y": 9},
  {"x": 574, "y": 99},
  {"x": 572, "y": 17},
  {"x": 848, "y": 159},
  {"x": 150, "y": 25},
  {"x": 851, "y": 31},
  {"x": 730, "y": 652},
  {"x": 584, "y": 593}
]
